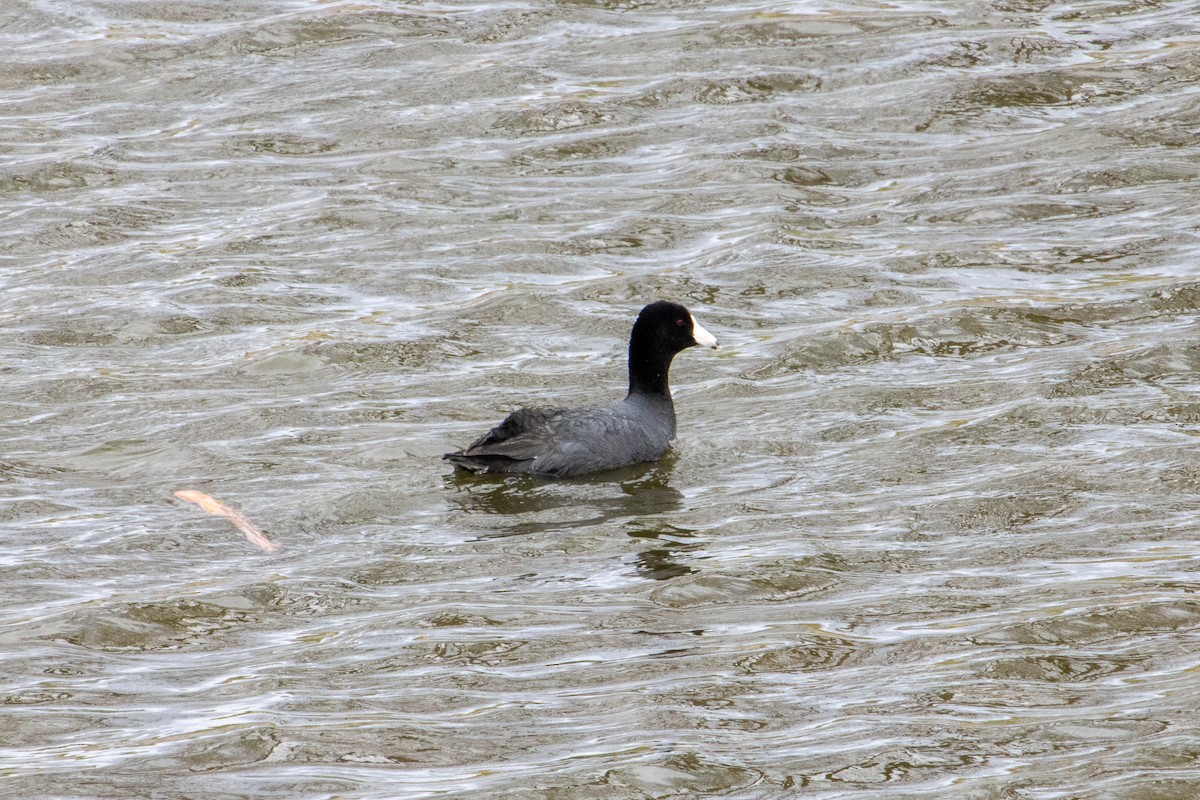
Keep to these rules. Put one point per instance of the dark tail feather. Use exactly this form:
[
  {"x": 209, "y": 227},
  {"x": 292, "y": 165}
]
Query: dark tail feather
[{"x": 467, "y": 463}]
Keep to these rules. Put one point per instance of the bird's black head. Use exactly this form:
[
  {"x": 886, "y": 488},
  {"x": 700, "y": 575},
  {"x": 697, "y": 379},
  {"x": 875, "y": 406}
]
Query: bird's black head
[
  {"x": 661, "y": 331},
  {"x": 671, "y": 327}
]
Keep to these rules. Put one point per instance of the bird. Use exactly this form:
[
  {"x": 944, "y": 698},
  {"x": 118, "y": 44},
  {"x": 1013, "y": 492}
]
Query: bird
[{"x": 569, "y": 442}]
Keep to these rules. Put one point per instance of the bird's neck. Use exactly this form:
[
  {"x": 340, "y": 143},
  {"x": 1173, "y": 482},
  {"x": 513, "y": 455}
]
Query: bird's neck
[{"x": 648, "y": 371}]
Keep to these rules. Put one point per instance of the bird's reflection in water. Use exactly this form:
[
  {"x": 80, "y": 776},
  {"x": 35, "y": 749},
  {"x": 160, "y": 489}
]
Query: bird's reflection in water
[
  {"x": 521, "y": 504},
  {"x": 658, "y": 563}
]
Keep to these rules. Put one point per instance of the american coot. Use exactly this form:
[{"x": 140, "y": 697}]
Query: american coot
[{"x": 565, "y": 442}]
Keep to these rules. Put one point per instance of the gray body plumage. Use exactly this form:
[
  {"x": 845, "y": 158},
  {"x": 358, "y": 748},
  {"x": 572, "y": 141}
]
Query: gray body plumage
[{"x": 566, "y": 442}]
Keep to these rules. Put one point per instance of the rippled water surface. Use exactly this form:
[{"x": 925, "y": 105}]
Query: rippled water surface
[{"x": 930, "y": 526}]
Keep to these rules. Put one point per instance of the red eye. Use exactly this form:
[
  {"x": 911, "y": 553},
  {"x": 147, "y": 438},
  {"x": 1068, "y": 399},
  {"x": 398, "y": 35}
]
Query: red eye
[{"x": 679, "y": 322}]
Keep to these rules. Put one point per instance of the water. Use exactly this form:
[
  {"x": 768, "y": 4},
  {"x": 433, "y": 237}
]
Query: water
[{"x": 929, "y": 527}]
